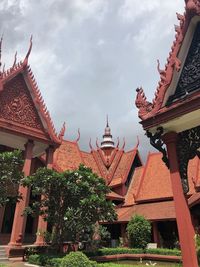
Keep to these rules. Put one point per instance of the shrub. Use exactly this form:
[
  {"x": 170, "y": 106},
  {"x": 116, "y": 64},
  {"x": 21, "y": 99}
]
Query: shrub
[
  {"x": 38, "y": 259},
  {"x": 139, "y": 232},
  {"x": 163, "y": 251},
  {"x": 77, "y": 259}
]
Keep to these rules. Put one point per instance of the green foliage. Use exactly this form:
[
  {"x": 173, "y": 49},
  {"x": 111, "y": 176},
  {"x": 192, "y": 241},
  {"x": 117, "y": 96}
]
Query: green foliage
[
  {"x": 123, "y": 250},
  {"x": 11, "y": 164},
  {"x": 197, "y": 243},
  {"x": 72, "y": 202},
  {"x": 139, "y": 232},
  {"x": 77, "y": 259},
  {"x": 38, "y": 259}
]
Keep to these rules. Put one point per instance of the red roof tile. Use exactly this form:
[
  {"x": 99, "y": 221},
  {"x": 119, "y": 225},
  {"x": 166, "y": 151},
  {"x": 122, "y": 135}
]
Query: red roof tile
[
  {"x": 90, "y": 162},
  {"x": 133, "y": 187},
  {"x": 123, "y": 168},
  {"x": 152, "y": 211},
  {"x": 156, "y": 183},
  {"x": 114, "y": 196},
  {"x": 68, "y": 156}
]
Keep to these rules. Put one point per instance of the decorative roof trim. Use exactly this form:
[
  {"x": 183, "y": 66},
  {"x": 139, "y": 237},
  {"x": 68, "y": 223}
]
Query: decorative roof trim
[{"x": 148, "y": 109}]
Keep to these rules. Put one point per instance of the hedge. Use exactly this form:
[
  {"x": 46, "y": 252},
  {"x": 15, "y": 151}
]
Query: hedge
[{"x": 114, "y": 251}]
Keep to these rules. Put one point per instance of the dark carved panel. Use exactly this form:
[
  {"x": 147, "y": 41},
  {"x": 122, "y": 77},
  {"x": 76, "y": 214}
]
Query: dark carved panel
[
  {"x": 190, "y": 77},
  {"x": 157, "y": 142},
  {"x": 187, "y": 148},
  {"x": 16, "y": 104}
]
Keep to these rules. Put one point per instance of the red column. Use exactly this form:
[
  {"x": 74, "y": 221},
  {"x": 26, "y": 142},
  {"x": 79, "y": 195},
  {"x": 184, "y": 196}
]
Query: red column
[
  {"x": 183, "y": 217},
  {"x": 42, "y": 225},
  {"x": 156, "y": 236},
  {"x": 19, "y": 222}
]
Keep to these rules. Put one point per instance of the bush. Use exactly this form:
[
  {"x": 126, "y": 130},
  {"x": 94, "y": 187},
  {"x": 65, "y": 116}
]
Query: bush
[
  {"x": 55, "y": 262},
  {"x": 163, "y": 251},
  {"x": 77, "y": 259},
  {"x": 38, "y": 259},
  {"x": 139, "y": 232}
]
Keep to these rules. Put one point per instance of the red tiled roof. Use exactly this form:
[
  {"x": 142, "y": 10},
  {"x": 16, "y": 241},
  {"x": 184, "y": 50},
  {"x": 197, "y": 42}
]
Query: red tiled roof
[
  {"x": 67, "y": 156},
  {"x": 133, "y": 187},
  {"x": 114, "y": 196},
  {"x": 89, "y": 161},
  {"x": 194, "y": 199},
  {"x": 156, "y": 183},
  {"x": 151, "y": 211},
  {"x": 123, "y": 168}
]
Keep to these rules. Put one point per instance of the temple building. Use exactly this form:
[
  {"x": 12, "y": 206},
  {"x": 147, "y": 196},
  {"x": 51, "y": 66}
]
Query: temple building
[{"x": 136, "y": 188}]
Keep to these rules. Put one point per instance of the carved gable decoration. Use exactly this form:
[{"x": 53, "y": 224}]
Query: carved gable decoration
[
  {"x": 16, "y": 104},
  {"x": 189, "y": 80}
]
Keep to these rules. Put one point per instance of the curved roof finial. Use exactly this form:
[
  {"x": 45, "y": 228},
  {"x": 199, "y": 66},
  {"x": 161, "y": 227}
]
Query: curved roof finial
[
  {"x": 1, "y": 40},
  {"x": 97, "y": 145},
  {"x": 29, "y": 51},
  {"x": 117, "y": 142},
  {"x": 79, "y": 136},
  {"x": 138, "y": 142},
  {"x": 90, "y": 144},
  {"x": 15, "y": 60},
  {"x": 62, "y": 132},
  {"x": 123, "y": 146}
]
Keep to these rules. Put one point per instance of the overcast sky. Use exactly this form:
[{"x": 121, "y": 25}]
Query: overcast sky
[{"x": 89, "y": 56}]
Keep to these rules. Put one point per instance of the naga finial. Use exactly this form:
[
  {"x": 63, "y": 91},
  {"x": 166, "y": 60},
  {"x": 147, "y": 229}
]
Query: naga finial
[
  {"x": 97, "y": 145},
  {"x": 1, "y": 40},
  {"x": 138, "y": 142},
  {"x": 62, "y": 132},
  {"x": 29, "y": 51},
  {"x": 117, "y": 142},
  {"x": 15, "y": 60},
  {"x": 124, "y": 143},
  {"x": 90, "y": 144},
  {"x": 79, "y": 135}
]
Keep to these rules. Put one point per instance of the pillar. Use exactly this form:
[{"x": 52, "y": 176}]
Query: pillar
[
  {"x": 19, "y": 222},
  {"x": 156, "y": 236},
  {"x": 42, "y": 224},
  {"x": 123, "y": 234},
  {"x": 2, "y": 211},
  {"x": 183, "y": 217}
]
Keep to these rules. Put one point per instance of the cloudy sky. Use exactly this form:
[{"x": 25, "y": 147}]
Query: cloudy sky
[{"x": 89, "y": 56}]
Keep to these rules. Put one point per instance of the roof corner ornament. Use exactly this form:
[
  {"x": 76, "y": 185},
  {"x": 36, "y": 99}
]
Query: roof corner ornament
[
  {"x": 188, "y": 145},
  {"x": 79, "y": 136},
  {"x": 192, "y": 6},
  {"x": 124, "y": 143},
  {"x": 90, "y": 144},
  {"x": 1, "y": 41},
  {"x": 62, "y": 132},
  {"x": 15, "y": 60},
  {"x": 142, "y": 104},
  {"x": 157, "y": 142},
  {"x": 138, "y": 143},
  {"x": 25, "y": 62},
  {"x": 117, "y": 146},
  {"x": 97, "y": 145}
]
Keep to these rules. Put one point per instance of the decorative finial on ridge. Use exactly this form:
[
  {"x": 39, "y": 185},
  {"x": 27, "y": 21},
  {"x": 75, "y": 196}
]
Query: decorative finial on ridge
[
  {"x": 107, "y": 125},
  {"x": 1, "y": 40},
  {"x": 97, "y": 145},
  {"x": 79, "y": 136},
  {"x": 25, "y": 62},
  {"x": 15, "y": 60},
  {"x": 62, "y": 132},
  {"x": 124, "y": 143},
  {"x": 138, "y": 142},
  {"x": 117, "y": 146},
  {"x": 90, "y": 144}
]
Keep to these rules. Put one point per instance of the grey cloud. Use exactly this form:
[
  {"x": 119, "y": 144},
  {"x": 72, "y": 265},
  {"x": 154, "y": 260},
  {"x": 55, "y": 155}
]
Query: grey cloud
[{"x": 90, "y": 55}]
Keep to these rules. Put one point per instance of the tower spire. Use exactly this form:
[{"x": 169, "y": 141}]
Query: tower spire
[{"x": 107, "y": 137}]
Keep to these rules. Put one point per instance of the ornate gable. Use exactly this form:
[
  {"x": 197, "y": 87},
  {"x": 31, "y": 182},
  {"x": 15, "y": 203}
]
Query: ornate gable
[
  {"x": 168, "y": 75},
  {"x": 189, "y": 80},
  {"x": 16, "y": 104}
]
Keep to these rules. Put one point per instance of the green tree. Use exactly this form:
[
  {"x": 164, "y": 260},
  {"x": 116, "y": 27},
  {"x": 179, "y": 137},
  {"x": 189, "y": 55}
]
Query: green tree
[
  {"x": 72, "y": 202},
  {"x": 11, "y": 164},
  {"x": 139, "y": 232}
]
